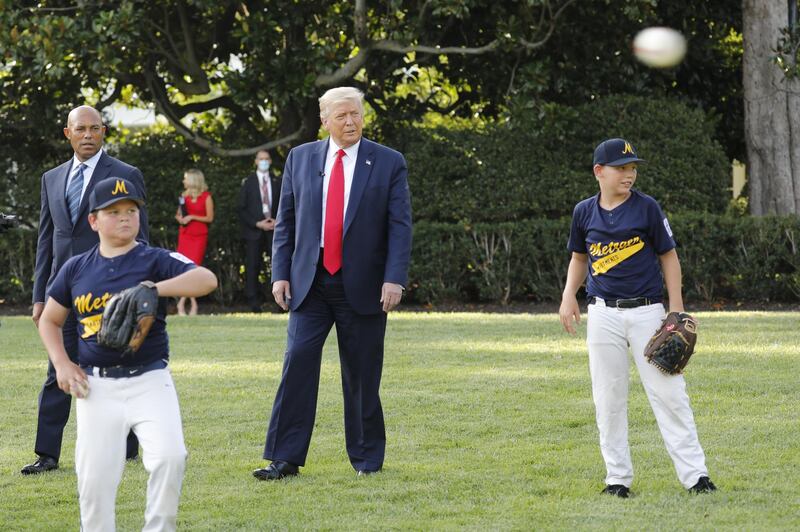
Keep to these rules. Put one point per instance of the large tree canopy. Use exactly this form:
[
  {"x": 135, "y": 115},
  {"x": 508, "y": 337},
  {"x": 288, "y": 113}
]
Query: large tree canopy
[
  {"x": 236, "y": 76},
  {"x": 257, "y": 67},
  {"x": 248, "y": 72},
  {"x": 590, "y": 56}
]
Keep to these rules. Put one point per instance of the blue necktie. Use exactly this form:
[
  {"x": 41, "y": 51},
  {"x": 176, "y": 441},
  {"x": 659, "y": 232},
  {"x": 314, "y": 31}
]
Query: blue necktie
[{"x": 74, "y": 193}]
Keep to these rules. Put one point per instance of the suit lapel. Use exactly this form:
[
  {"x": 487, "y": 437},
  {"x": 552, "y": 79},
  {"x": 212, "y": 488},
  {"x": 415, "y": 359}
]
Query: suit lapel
[
  {"x": 273, "y": 206},
  {"x": 364, "y": 163},
  {"x": 61, "y": 188},
  {"x": 316, "y": 170}
]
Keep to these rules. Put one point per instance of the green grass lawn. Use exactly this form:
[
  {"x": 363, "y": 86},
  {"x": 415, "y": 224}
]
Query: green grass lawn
[{"x": 490, "y": 425}]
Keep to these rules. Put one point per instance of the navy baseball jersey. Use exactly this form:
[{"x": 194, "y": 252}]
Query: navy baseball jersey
[
  {"x": 623, "y": 245},
  {"x": 86, "y": 283}
]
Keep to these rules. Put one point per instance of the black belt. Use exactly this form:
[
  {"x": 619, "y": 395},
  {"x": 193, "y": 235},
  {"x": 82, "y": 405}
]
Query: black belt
[
  {"x": 120, "y": 372},
  {"x": 626, "y": 303}
]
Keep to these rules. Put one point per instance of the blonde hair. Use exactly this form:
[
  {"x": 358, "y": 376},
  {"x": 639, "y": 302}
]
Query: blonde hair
[
  {"x": 197, "y": 182},
  {"x": 338, "y": 95}
]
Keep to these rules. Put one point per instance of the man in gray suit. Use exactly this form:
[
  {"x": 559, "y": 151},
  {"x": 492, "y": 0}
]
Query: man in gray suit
[{"x": 64, "y": 231}]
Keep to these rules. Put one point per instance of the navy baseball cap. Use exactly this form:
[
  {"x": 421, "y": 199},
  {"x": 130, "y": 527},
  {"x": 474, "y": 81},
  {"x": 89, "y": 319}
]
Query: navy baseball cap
[
  {"x": 615, "y": 152},
  {"x": 111, "y": 190}
]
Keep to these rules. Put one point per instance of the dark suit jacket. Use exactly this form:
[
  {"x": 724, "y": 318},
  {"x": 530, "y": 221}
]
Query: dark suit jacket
[
  {"x": 249, "y": 209},
  {"x": 58, "y": 238},
  {"x": 377, "y": 225}
]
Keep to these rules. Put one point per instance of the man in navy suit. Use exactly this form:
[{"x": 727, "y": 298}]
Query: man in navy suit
[
  {"x": 64, "y": 231},
  {"x": 340, "y": 257},
  {"x": 256, "y": 208}
]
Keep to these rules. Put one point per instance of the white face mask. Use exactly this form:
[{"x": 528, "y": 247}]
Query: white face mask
[{"x": 263, "y": 165}]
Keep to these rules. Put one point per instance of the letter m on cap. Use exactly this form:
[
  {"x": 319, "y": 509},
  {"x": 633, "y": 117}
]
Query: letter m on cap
[
  {"x": 119, "y": 188},
  {"x": 628, "y": 148}
]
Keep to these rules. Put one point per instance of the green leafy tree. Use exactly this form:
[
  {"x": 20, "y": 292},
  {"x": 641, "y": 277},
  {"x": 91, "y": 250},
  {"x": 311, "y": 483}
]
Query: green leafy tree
[
  {"x": 233, "y": 77},
  {"x": 590, "y": 57},
  {"x": 227, "y": 72}
]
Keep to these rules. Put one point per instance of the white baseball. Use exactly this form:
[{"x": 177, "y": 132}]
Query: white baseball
[
  {"x": 79, "y": 389},
  {"x": 659, "y": 47}
]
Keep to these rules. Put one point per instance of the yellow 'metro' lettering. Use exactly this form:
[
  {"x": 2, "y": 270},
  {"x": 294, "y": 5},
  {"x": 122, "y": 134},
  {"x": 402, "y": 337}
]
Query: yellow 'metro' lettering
[
  {"x": 120, "y": 187},
  {"x": 598, "y": 249},
  {"x": 609, "y": 261},
  {"x": 86, "y": 303}
]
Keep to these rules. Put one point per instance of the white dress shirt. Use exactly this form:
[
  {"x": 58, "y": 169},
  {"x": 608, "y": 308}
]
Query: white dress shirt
[
  {"x": 266, "y": 203},
  {"x": 91, "y": 164},
  {"x": 349, "y": 167}
]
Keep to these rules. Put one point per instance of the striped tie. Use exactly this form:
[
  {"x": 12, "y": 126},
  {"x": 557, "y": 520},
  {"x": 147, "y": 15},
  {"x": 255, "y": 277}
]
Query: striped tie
[{"x": 74, "y": 193}]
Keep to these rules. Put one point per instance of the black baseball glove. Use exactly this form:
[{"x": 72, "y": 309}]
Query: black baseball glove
[
  {"x": 128, "y": 317},
  {"x": 673, "y": 343}
]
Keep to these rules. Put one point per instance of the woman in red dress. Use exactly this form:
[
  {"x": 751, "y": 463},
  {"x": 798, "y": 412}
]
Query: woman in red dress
[{"x": 195, "y": 212}]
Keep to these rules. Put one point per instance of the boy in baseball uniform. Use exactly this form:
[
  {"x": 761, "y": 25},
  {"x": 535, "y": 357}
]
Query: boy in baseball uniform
[
  {"x": 621, "y": 244},
  {"x": 117, "y": 394}
]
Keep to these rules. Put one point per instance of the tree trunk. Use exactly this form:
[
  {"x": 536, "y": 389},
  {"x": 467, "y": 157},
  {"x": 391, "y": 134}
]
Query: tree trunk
[{"x": 771, "y": 111}]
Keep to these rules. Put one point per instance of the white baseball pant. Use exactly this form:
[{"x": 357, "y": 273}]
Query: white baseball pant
[
  {"x": 609, "y": 333},
  {"x": 147, "y": 404}
]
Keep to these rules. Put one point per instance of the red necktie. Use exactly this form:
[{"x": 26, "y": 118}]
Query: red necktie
[{"x": 334, "y": 217}]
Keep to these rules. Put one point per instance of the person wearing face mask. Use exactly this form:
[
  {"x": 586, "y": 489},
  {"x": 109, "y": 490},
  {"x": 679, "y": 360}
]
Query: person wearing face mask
[{"x": 257, "y": 207}]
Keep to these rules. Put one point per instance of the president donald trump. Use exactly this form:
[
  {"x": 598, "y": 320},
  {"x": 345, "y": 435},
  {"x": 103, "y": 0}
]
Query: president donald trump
[{"x": 340, "y": 257}]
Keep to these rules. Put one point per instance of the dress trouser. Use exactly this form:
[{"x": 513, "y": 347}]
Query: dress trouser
[
  {"x": 54, "y": 404},
  {"x": 254, "y": 250},
  {"x": 610, "y": 332},
  {"x": 148, "y": 405},
  {"x": 360, "y": 340}
]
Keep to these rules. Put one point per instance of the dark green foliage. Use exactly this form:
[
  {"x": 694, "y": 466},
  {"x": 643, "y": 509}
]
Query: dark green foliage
[
  {"x": 491, "y": 206},
  {"x": 746, "y": 259},
  {"x": 163, "y": 160},
  {"x": 586, "y": 60},
  {"x": 540, "y": 165},
  {"x": 438, "y": 266},
  {"x": 525, "y": 260},
  {"x": 723, "y": 258},
  {"x": 17, "y": 256},
  {"x": 259, "y": 66}
]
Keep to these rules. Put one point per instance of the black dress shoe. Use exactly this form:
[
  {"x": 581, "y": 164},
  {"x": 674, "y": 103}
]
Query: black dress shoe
[
  {"x": 704, "y": 485},
  {"x": 42, "y": 464},
  {"x": 276, "y": 471},
  {"x": 367, "y": 472},
  {"x": 132, "y": 458},
  {"x": 618, "y": 490}
]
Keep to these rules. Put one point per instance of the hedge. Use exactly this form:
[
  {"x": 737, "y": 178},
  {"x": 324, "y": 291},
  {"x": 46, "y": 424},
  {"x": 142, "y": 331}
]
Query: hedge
[
  {"x": 723, "y": 258},
  {"x": 539, "y": 165},
  {"x": 489, "y": 203}
]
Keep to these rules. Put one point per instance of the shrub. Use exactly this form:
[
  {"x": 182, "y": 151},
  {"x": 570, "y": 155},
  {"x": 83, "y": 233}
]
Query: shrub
[
  {"x": 539, "y": 165},
  {"x": 722, "y": 257},
  {"x": 491, "y": 205},
  {"x": 163, "y": 158}
]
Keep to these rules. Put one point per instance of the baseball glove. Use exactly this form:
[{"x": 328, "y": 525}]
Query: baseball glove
[
  {"x": 673, "y": 343},
  {"x": 128, "y": 317}
]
